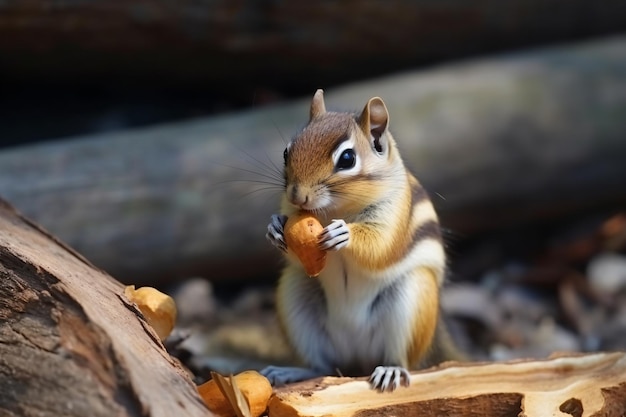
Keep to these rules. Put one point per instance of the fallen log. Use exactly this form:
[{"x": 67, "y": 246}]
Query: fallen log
[
  {"x": 70, "y": 344},
  {"x": 208, "y": 41},
  {"x": 591, "y": 385},
  {"x": 496, "y": 142}
]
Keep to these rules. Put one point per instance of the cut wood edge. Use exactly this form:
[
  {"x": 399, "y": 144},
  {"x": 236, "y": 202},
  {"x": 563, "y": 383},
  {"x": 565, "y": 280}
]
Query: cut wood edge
[{"x": 562, "y": 385}]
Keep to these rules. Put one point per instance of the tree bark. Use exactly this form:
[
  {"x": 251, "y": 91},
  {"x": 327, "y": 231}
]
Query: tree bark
[
  {"x": 592, "y": 385},
  {"x": 497, "y": 142},
  {"x": 70, "y": 344}
]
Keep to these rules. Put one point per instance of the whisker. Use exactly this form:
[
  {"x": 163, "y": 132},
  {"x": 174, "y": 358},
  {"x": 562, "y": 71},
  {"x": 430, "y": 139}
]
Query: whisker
[
  {"x": 256, "y": 184},
  {"x": 277, "y": 169},
  {"x": 259, "y": 201},
  {"x": 280, "y": 133},
  {"x": 270, "y": 176},
  {"x": 258, "y": 190},
  {"x": 440, "y": 196},
  {"x": 271, "y": 168},
  {"x": 348, "y": 198}
]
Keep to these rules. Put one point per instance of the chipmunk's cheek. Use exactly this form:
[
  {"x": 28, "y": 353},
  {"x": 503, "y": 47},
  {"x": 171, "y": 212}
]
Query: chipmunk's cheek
[
  {"x": 324, "y": 201},
  {"x": 312, "y": 204},
  {"x": 319, "y": 199}
]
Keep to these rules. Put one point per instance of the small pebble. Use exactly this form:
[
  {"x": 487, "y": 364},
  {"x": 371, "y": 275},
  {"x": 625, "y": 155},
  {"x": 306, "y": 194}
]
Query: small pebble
[
  {"x": 471, "y": 301},
  {"x": 195, "y": 301},
  {"x": 521, "y": 301},
  {"x": 607, "y": 273}
]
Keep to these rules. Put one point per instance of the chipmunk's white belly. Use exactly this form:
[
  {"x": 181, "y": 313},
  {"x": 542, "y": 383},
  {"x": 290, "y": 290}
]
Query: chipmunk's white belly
[{"x": 363, "y": 332}]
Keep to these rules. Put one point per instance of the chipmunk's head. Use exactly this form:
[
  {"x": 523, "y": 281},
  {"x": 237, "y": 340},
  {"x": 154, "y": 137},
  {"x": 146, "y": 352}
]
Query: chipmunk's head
[{"x": 340, "y": 161}]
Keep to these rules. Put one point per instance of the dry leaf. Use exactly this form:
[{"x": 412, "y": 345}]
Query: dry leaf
[
  {"x": 246, "y": 394},
  {"x": 230, "y": 390}
]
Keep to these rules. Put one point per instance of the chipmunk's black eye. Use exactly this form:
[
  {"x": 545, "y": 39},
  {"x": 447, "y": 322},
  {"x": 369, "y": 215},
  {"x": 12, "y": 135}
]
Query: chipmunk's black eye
[
  {"x": 346, "y": 160},
  {"x": 285, "y": 156}
]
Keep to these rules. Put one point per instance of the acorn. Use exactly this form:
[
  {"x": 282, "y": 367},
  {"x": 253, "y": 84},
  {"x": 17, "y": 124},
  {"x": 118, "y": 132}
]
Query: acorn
[
  {"x": 159, "y": 309},
  {"x": 302, "y": 232}
]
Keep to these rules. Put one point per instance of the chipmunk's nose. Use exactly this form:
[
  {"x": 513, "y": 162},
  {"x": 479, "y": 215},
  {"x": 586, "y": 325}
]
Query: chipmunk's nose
[{"x": 296, "y": 196}]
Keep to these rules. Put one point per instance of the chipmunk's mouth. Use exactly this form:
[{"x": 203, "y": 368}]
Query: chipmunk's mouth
[{"x": 310, "y": 206}]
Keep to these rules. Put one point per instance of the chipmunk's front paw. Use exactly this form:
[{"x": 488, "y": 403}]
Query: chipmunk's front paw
[
  {"x": 275, "y": 232},
  {"x": 335, "y": 236},
  {"x": 281, "y": 375}
]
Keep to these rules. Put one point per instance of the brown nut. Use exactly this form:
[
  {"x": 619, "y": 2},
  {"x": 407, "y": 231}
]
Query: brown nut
[
  {"x": 254, "y": 387},
  {"x": 159, "y": 309},
  {"x": 301, "y": 234}
]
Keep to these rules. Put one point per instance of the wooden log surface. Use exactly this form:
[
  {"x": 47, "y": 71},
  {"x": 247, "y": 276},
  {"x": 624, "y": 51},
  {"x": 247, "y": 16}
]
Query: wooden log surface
[
  {"x": 70, "y": 344},
  {"x": 496, "y": 142},
  {"x": 592, "y": 385}
]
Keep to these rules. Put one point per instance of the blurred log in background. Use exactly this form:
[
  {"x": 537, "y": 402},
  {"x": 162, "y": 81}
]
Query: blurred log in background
[
  {"x": 499, "y": 143},
  {"x": 79, "y": 66}
]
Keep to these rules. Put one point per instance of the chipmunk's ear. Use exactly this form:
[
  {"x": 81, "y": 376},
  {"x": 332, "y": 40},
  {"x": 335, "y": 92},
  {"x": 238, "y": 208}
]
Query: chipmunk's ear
[
  {"x": 374, "y": 121},
  {"x": 318, "y": 107}
]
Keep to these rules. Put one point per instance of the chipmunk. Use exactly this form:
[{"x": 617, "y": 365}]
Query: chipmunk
[{"x": 374, "y": 309}]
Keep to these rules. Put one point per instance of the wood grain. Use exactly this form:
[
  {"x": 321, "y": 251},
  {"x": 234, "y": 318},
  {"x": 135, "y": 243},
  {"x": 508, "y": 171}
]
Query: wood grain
[{"x": 559, "y": 386}]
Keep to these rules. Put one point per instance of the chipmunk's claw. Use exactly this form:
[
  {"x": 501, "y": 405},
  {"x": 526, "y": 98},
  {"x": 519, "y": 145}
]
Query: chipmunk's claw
[
  {"x": 335, "y": 236},
  {"x": 388, "y": 378},
  {"x": 276, "y": 231}
]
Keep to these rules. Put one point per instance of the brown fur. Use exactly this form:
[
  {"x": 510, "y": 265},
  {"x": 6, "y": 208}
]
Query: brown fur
[{"x": 426, "y": 317}]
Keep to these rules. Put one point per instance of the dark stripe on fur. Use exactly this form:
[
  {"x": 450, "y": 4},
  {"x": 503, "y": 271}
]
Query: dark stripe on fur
[
  {"x": 428, "y": 230},
  {"x": 418, "y": 194}
]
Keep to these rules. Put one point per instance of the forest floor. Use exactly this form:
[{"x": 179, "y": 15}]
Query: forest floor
[{"x": 565, "y": 291}]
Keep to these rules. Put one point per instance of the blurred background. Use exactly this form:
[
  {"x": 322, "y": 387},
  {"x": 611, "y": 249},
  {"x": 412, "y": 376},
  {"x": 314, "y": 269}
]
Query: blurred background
[
  {"x": 81, "y": 67},
  {"x": 148, "y": 135}
]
